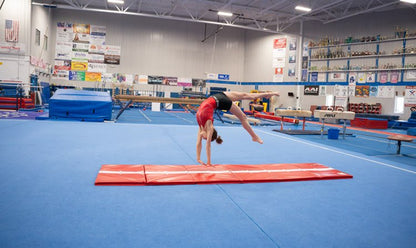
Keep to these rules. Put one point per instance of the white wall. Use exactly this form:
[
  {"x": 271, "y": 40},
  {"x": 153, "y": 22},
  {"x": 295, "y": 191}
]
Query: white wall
[{"x": 152, "y": 46}]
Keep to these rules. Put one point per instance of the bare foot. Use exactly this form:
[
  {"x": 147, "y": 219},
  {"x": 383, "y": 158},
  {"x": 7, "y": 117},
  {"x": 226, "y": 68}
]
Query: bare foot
[{"x": 257, "y": 139}]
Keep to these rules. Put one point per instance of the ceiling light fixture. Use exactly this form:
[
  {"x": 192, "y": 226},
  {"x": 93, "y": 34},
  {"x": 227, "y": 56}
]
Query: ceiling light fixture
[
  {"x": 409, "y": 1},
  {"x": 222, "y": 13},
  {"x": 116, "y": 1},
  {"x": 302, "y": 8}
]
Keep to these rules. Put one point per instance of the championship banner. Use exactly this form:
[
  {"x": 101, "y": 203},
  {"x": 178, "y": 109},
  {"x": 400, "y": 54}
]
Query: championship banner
[
  {"x": 112, "y": 55},
  {"x": 81, "y": 28},
  {"x": 77, "y": 75},
  {"x": 62, "y": 65},
  {"x": 96, "y": 67},
  {"x": 92, "y": 76},
  {"x": 185, "y": 82},
  {"x": 155, "y": 80},
  {"x": 79, "y": 66},
  {"x": 170, "y": 81}
]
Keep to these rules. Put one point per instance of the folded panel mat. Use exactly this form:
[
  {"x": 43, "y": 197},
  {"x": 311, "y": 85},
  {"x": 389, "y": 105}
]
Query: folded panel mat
[{"x": 227, "y": 173}]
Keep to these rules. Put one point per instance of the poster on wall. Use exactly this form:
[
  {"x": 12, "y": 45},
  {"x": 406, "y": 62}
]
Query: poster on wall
[
  {"x": 373, "y": 91},
  {"x": 352, "y": 80},
  {"x": 155, "y": 80},
  {"x": 64, "y": 32},
  {"x": 96, "y": 58},
  {"x": 63, "y": 50},
  {"x": 112, "y": 55},
  {"x": 311, "y": 90},
  {"x": 62, "y": 65},
  {"x": 411, "y": 74},
  {"x": 143, "y": 79},
  {"x": 291, "y": 71},
  {"x": 410, "y": 96},
  {"x": 304, "y": 75},
  {"x": 79, "y": 65},
  {"x": 383, "y": 77},
  {"x": 97, "y": 34},
  {"x": 92, "y": 76},
  {"x": 81, "y": 28},
  {"x": 80, "y": 47},
  {"x": 185, "y": 82},
  {"x": 341, "y": 90},
  {"x": 173, "y": 81},
  {"x": 279, "y": 62},
  {"x": 341, "y": 101},
  {"x": 97, "y": 67},
  {"x": 322, "y": 90},
  {"x": 292, "y": 57},
  {"x": 278, "y": 75},
  {"x": 279, "y": 43},
  {"x": 385, "y": 92},
  {"x": 314, "y": 77},
  {"x": 292, "y": 44},
  {"x": 61, "y": 74},
  {"x": 361, "y": 78},
  {"x": 337, "y": 76},
  {"x": 362, "y": 91},
  {"x": 371, "y": 77},
  {"x": 77, "y": 75},
  {"x": 394, "y": 77},
  {"x": 79, "y": 56}
]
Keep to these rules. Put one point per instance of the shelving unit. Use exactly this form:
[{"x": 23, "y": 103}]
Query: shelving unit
[
  {"x": 327, "y": 56},
  {"x": 365, "y": 108}
]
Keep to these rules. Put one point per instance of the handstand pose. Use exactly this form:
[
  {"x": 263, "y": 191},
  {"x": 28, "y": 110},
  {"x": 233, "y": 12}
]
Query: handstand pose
[{"x": 223, "y": 101}]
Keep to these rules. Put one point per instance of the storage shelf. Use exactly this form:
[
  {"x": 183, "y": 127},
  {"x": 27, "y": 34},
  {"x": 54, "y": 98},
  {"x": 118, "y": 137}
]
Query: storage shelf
[
  {"x": 364, "y": 43},
  {"x": 395, "y": 69},
  {"x": 366, "y": 57}
]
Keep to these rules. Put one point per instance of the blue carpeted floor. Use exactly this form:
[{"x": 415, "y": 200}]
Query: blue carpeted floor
[{"x": 49, "y": 198}]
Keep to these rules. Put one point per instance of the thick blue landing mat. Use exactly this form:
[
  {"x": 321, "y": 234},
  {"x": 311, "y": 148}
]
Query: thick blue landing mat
[{"x": 80, "y": 104}]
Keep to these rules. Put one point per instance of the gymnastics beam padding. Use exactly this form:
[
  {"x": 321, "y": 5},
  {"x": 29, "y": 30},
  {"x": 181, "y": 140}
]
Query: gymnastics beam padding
[
  {"x": 250, "y": 120},
  {"x": 159, "y": 99},
  {"x": 199, "y": 174},
  {"x": 296, "y": 113},
  {"x": 119, "y": 174},
  {"x": 328, "y": 114}
]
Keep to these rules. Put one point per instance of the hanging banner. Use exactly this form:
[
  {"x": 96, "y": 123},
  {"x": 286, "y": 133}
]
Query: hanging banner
[
  {"x": 170, "y": 81},
  {"x": 79, "y": 65},
  {"x": 62, "y": 65},
  {"x": 156, "y": 80},
  {"x": 92, "y": 76},
  {"x": 279, "y": 43},
  {"x": 97, "y": 67},
  {"x": 77, "y": 75},
  {"x": 198, "y": 83},
  {"x": 112, "y": 55},
  {"x": 185, "y": 82}
]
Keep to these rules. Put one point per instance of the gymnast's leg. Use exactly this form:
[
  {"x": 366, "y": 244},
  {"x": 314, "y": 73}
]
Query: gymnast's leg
[
  {"x": 235, "y": 110},
  {"x": 236, "y": 96}
]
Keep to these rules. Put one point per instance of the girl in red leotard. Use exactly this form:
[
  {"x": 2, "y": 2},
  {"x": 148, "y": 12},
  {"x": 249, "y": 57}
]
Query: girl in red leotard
[{"x": 223, "y": 101}]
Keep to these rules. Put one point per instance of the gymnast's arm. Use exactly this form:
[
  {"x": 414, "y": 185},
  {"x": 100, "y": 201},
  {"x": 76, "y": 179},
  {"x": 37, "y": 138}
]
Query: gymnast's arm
[
  {"x": 199, "y": 146},
  {"x": 210, "y": 130}
]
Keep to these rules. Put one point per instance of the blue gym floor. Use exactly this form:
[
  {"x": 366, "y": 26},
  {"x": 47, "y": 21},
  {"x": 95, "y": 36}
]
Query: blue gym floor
[{"x": 49, "y": 198}]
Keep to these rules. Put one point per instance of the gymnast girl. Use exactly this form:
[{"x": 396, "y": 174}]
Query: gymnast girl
[{"x": 223, "y": 101}]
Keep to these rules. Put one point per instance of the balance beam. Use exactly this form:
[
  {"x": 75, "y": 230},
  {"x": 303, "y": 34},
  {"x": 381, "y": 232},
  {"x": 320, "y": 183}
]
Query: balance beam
[
  {"x": 339, "y": 115},
  {"x": 250, "y": 120},
  {"x": 159, "y": 99},
  {"x": 295, "y": 113}
]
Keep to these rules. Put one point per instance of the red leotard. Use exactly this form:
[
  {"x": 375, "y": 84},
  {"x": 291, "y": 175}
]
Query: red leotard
[{"x": 206, "y": 111}]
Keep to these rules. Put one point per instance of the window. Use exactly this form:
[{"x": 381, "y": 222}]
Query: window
[
  {"x": 399, "y": 105},
  {"x": 45, "y": 42},
  {"x": 329, "y": 100},
  {"x": 37, "y": 37}
]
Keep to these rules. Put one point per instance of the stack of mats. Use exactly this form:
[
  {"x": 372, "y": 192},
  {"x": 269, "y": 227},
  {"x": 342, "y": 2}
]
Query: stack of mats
[
  {"x": 10, "y": 103},
  {"x": 198, "y": 174},
  {"x": 81, "y": 105}
]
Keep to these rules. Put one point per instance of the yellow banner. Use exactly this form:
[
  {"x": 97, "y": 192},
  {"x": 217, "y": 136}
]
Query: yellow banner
[
  {"x": 79, "y": 66},
  {"x": 93, "y": 76}
]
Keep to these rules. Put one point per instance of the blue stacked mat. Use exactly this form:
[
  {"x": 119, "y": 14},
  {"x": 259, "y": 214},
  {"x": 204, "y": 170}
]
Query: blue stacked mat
[{"x": 81, "y": 105}]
